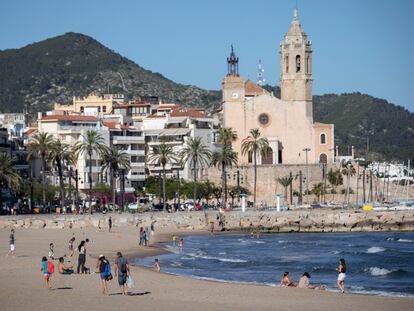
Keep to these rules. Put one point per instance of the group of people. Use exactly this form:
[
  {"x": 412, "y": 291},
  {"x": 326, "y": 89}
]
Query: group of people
[
  {"x": 146, "y": 234},
  {"x": 304, "y": 281},
  {"x": 121, "y": 270}
]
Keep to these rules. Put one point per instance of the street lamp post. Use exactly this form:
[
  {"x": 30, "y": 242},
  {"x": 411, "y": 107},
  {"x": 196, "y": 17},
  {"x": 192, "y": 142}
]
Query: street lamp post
[{"x": 307, "y": 174}]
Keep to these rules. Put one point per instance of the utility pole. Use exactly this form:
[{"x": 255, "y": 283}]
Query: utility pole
[
  {"x": 238, "y": 187},
  {"x": 290, "y": 189},
  {"x": 357, "y": 192},
  {"x": 371, "y": 198},
  {"x": 178, "y": 188},
  {"x": 122, "y": 190},
  {"x": 300, "y": 188},
  {"x": 363, "y": 186},
  {"x": 388, "y": 182},
  {"x": 408, "y": 181},
  {"x": 307, "y": 174}
]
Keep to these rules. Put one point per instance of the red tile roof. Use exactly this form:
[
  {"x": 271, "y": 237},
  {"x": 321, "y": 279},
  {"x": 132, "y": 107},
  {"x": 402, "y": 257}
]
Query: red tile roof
[
  {"x": 68, "y": 118},
  {"x": 252, "y": 88},
  {"x": 113, "y": 125},
  {"x": 29, "y": 132}
]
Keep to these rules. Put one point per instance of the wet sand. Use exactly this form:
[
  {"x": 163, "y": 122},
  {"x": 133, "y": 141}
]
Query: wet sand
[{"x": 22, "y": 286}]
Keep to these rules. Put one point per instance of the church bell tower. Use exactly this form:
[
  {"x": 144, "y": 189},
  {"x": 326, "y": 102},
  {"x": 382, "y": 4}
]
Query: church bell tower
[
  {"x": 233, "y": 84},
  {"x": 296, "y": 67}
]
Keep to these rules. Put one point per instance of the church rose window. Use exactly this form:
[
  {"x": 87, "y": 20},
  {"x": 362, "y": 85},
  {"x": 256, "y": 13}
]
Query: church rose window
[{"x": 263, "y": 119}]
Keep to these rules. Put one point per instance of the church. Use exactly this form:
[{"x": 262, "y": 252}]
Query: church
[{"x": 286, "y": 122}]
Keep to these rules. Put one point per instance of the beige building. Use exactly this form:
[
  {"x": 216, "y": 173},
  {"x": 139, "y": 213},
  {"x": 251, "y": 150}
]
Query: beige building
[
  {"x": 91, "y": 105},
  {"x": 286, "y": 122}
]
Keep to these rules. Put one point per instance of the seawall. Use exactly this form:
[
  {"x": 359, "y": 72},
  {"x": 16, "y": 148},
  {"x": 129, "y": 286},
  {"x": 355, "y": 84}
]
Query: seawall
[{"x": 315, "y": 220}]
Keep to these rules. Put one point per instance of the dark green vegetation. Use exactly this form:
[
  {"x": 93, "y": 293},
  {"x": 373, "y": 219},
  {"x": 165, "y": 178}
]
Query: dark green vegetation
[{"x": 54, "y": 70}]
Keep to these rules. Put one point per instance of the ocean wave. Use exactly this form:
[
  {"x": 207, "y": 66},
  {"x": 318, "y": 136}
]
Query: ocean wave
[
  {"x": 187, "y": 258},
  {"x": 234, "y": 260},
  {"x": 375, "y": 249},
  {"x": 405, "y": 241},
  {"x": 375, "y": 271}
]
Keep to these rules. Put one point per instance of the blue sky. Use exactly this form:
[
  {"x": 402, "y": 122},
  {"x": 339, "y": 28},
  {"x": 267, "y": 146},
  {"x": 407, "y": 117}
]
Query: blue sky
[{"x": 364, "y": 46}]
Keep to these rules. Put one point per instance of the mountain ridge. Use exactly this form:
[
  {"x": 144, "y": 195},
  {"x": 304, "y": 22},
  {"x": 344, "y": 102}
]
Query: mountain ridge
[{"x": 35, "y": 76}]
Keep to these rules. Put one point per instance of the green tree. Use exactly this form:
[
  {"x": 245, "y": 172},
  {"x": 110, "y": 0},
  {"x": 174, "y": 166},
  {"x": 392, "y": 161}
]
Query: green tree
[
  {"x": 39, "y": 147},
  {"x": 161, "y": 155},
  {"x": 285, "y": 181},
  {"x": 112, "y": 161},
  {"x": 9, "y": 177},
  {"x": 255, "y": 145},
  {"x": 317, "y": 190},
  {"x": 335, "y": 179},
  {"x": 348, "y": 170},
  {"x": 59, "y": 152},
  {"x": 224, "y": 158},
  {"x": 92, "y": 142},
  {"x": 198, "y": 155}
]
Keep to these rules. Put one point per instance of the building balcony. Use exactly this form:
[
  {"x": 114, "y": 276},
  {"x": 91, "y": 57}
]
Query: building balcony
[
  {"x": 124, "y": 140},
  {"x": 75, "y": 129},
  {"x": 137, "y": 177},
  {"x": 135, "y": 152},
  {"x": 137, "y": 164}
]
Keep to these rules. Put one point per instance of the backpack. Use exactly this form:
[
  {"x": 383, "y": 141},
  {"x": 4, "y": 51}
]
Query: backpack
[
  {"x": 107, "y": 271},
  {"x": 50, "y": 267}
]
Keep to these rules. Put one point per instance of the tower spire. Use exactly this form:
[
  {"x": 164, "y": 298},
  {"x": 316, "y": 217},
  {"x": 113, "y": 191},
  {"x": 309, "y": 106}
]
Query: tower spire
[{"x": 232, "y": 63}]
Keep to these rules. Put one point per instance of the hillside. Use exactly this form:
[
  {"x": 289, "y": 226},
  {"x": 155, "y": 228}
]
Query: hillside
[
  {"x": 32, "y": 78},
  {"x": 56, "y": 69}
]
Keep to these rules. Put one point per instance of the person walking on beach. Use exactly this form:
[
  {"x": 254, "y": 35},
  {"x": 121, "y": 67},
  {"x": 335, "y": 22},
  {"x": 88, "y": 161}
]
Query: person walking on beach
[
  {"x": 341, "y": 275},
  {"x": 48, "y": 268},
  {"x": 110, "y": 223},
  {"x": 70, "y": 247},
  {"x": 51, "y": 254},
  {"x": 12, "y": 240},
  {"x": 81, "y": 258},
  {"x": 122, "y": 269},
  {"x": 157, "y": 266},
  {"x": 141, "y": 236},
  {"x": 105, "y": 275},
  {"x": 152, "y": 229}
]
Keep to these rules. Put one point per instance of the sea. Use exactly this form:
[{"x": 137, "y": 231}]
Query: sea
[{"x": 377, "y": 263}]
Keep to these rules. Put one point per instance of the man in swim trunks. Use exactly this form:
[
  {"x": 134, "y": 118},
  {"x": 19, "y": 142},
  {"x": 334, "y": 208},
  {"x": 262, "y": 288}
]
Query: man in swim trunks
[{"x": 122, "y": 269}]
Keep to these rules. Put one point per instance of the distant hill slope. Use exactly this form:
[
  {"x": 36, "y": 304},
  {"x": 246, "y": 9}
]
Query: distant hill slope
[{"x": 56, "y": 69}]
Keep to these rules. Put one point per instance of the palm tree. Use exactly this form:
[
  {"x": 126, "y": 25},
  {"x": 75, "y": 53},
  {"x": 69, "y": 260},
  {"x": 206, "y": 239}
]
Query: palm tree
[
  {"x": 162, "y": 154},
  {"x": 9, "y": 177},
  {"x": 224, "y": 158},
  {"x": 198, "y": 154},
  {"x": 39, "y": 146},
  {"x": 317, "y": 190},
  {"x": 285, "y": 182},
  {"x": 226, "y": 135},
  {"x": 348, "y": 170},
  {"x": 59, "y": 151},
  {"x": 113, "y": 160},
  {"x": 91, "y": 143},
  {"x": 255, "y": 144},
  {"x": 335, "y": 179}
]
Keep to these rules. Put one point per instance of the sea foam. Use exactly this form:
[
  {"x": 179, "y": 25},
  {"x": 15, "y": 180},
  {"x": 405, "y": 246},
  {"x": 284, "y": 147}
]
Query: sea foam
[
  {"x": 375, "y": 249},
  {"x": 375, "y": 271}
]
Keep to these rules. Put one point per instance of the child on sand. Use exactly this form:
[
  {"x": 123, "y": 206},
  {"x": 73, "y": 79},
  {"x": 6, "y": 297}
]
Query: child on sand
[
  {"x": 47, "y": 269},
  {"x": 51, "y": 254},
  {"x": 157, "y": 266},
  {"x": 341, "y": 276},
  {"x": 11, "y": 243}
]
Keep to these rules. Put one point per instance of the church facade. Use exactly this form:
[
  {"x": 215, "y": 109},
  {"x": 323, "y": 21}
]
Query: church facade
[{"x": 287, "y": 122}]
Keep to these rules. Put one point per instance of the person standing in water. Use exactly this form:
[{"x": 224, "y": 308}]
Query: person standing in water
[
  {"x": 157, "y": 266},
  {"x": 341, "y": 275}
]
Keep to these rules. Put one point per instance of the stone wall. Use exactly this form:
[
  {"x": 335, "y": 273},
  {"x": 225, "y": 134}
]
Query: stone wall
[{"x": 318, "y": 220}]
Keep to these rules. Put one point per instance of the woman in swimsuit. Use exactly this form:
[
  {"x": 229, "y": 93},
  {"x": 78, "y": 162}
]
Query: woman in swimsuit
[{"x": 341, "y": 276}]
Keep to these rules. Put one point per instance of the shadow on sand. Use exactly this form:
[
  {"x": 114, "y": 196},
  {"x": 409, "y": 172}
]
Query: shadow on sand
[{"x": 131, "y": 294}]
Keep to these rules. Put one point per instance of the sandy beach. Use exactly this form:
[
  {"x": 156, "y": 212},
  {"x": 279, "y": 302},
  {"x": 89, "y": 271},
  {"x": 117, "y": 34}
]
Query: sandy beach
[{"x": 22, "y": 287}]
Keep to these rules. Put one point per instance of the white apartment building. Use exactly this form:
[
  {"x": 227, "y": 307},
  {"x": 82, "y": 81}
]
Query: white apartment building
[
  {"x": 174, "y": 127},
  {"x": 71, "y": 129}
]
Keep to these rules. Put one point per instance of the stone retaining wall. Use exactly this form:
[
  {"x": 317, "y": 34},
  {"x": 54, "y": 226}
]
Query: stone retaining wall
[{"x": 317, "y": 220}]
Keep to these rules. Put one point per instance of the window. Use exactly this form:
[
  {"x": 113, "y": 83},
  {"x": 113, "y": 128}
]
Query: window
[
  {"x": 104, "y": 108},
  {"x": 264, "y": 119},
  {"x": 323, "y": 139},
  {"x": 287, "y": 63},
  {"x": 297, "y": 63},
  {"x": 250, "y": 157},
  {"x": 82, "y": 109},
  {"x": 323, "y": 158}
]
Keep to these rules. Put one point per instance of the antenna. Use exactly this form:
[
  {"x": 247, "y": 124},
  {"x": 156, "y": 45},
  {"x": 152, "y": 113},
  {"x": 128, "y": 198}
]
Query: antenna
[{"x": 260, "y": 77}]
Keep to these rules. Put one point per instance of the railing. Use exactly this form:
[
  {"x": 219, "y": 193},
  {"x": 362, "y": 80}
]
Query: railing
[{"x": 128, "y": 138}]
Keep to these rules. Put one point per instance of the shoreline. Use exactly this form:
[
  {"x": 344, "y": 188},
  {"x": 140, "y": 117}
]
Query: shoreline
[
  {"x": 158, "y": 250},
  {"x": 159, "y": 291}
]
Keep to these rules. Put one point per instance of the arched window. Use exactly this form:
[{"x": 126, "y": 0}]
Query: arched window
[
  {"x": 287, "y": 63},
  {"x": 323, "y": 158},
  {"x": 307, "y": 64},
  {"x": 82, "y": 109},
  {"x": 297, "y": 63},
  {"x": 323, "y": 139}
]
